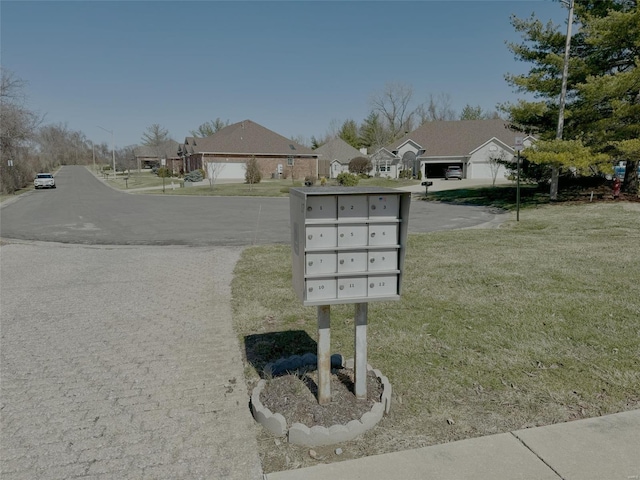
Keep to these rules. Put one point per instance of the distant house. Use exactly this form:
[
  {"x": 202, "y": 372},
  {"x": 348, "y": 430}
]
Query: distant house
[
  {"x": 472, "y": 145},
  {"x": 386, "y": 164},
  {"x": 226, "y": 152},
  {"x": 336, "y": 155},
  {"x": 147, "y": 157}
]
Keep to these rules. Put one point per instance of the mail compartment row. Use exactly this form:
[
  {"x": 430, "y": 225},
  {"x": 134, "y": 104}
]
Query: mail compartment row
[
  {"x": 351, "y": 287},
  {"x": 351, "y": 235},
  {"x": 353, "y": 206},
  {"x": 319, "y": 263}
]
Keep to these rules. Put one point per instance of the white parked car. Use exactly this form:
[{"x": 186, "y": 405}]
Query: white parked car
[{"x": 44, "y": 180}]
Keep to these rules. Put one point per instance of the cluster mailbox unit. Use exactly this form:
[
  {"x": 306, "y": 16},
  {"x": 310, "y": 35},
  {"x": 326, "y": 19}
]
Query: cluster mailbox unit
[
  {"x": 348, "y": 243},
  {"x": 348, "y": 246}
]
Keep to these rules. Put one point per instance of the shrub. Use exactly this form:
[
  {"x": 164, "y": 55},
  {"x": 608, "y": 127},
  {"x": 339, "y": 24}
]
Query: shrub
[
  {"x": 323, "y": 181},
  {"x": 252, "y": 172},
  {"x": 164, "y": 172},
  {"x": 360, "y": 165},
  {"x": 347, "y": 179},
  {"x": 193, "y": 176}
]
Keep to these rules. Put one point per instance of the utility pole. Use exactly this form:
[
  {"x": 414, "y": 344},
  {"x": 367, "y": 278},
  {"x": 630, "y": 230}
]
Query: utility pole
[
  {"x": 113, "y": 151},
  {"x": 555, "y": 168}
]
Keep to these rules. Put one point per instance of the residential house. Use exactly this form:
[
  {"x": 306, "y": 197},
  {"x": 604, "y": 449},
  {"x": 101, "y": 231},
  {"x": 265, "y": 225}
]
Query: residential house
[
  {"x": 473, "y": 145},
  {"x": 146, "y": 156},
  {"x": 225, "y": 153},
  {"x": 336, "y": 155},
  {"x": 386, "y": 164}
]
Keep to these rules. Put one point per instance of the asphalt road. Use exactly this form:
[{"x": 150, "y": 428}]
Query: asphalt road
[{"x": 83, "y": 210}]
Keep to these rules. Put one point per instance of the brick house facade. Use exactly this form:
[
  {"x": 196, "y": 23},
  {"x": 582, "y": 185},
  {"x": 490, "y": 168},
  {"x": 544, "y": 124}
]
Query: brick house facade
[{"x": 229, "y": 149}]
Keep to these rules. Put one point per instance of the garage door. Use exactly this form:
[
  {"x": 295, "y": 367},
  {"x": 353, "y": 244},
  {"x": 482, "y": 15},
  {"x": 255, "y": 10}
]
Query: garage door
[{"x": 225, "y": 170}]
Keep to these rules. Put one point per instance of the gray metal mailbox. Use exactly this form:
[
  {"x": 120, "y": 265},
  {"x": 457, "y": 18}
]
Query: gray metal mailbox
[{"x": 348, "y": 243}]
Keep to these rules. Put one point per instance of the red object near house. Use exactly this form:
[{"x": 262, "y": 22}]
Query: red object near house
[{"x": 616, "y": 187}]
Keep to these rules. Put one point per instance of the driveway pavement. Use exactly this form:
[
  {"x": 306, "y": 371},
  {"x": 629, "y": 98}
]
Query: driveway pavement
[{"x": 121, "y": 363}]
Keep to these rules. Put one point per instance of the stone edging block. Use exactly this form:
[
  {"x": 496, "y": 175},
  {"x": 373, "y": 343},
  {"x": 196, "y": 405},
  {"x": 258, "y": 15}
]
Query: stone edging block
[{"x": 300, "y": 434}]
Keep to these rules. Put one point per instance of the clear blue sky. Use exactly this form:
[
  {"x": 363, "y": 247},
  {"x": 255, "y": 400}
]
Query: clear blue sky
[{"x": 292, "y": 66}]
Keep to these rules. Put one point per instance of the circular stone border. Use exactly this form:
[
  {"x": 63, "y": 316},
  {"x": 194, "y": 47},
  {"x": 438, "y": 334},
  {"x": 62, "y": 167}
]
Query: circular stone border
[{"x": 315, "y": 436}]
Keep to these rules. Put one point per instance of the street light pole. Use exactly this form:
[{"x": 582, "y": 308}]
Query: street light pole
[{"x": 113, "y": 151}]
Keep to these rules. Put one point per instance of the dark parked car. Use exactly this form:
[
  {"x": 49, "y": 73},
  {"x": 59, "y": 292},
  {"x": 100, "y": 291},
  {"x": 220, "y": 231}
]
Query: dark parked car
[{"x": 453, "y": 172}]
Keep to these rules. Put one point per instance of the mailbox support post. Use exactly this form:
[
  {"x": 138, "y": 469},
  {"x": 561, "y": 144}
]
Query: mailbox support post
[
  {"x": 360, "y": 361},
  {"x": 324, "y": 354}
]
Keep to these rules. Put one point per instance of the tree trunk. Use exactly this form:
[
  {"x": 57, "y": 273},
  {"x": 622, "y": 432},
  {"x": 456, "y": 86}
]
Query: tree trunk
[
  {"x": 630, "y": 183},
  {"x": 555, "y": 173}
]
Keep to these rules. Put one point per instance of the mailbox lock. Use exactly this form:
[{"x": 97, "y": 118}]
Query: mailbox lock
[
  {"x": 342, "y": 235},
  {"x": 373, "y": 207},
  {"x": 342, "y": 261},
  {"x": 311, "y": 288},
  {"x": 341, "y": 207},
  {"x": 310, "y": 263},
  {"x": 341, "y": 287},
  {"x": 371, "y": 285},
  {"x": 309, "y": 208},
  {"x": 372, "y": 260},
  {"x": 373, "y": 234},
  {"x": 309, "y": 237}
]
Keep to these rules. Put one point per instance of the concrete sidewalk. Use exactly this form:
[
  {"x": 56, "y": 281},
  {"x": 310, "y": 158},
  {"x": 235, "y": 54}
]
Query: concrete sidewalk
[{"x": 603, "y": 448}]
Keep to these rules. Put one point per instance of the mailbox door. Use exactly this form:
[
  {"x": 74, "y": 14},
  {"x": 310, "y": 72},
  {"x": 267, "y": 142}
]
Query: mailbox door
[
  {"x": 319, "y": 263},
  {"x": 380, "y": 260},
  {"x": 350, "y": 287},
  {"x": 383, "y": 285},
  {"x": 319, "y": 236},
  {"x": 352, "y": 262},
  {"x": 321, "y": 207},
  {"x": 353, "y": 206},
  {"x": 384, "y": 206},
  {"x": 383, "y": 234},
  {"x": 321, "y": 289},
  {"x": 352, "y": 235}
]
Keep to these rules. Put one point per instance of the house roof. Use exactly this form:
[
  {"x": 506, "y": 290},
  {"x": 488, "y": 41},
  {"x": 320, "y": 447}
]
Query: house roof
[
  {"x": 168, "y": 150},
  {"x": 457, "y": 138},
  {"x": 248, "y": 138},
  {"x": 338, "y": 150}
]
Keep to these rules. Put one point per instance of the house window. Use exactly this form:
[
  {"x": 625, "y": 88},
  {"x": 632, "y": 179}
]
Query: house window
[{"x": 385, "y": 167}]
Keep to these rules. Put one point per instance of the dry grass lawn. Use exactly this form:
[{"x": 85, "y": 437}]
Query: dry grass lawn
[{"x": 535, "y": 323}]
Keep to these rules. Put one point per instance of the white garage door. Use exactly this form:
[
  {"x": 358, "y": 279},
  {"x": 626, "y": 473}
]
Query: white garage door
[{"x": 225, "y": 170}]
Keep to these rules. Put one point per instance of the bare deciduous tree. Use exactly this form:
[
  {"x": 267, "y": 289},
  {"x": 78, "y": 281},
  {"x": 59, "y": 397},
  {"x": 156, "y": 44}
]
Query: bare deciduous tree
[
  {"x": 18, "y": 126},
  {"x": 393, "y": 104},
  {"x": 496, "y": 160},
  {"x": 214, "y": 169},
  {"x": 437, "y": 108},
  {"x": 209, "y": 128}
]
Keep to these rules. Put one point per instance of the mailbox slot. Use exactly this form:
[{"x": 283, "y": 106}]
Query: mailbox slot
[
  {"x": 319, "y": 263},
  {"x": 384, "y": 206},
  {"x": 352, "y": 287},
  {"x": 353, "y": 206},
  {"x": 381, "y": 260},
  {"x": 352, "y": 235},
  {"x": 319, "y": 236},
  {"x": 355, "y": 261},
  {"x": 321, "y": 289}
]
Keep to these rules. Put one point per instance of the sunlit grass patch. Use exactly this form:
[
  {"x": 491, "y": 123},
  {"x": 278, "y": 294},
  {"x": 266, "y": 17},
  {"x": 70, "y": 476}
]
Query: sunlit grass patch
[{"x": 534, "y": 323}]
